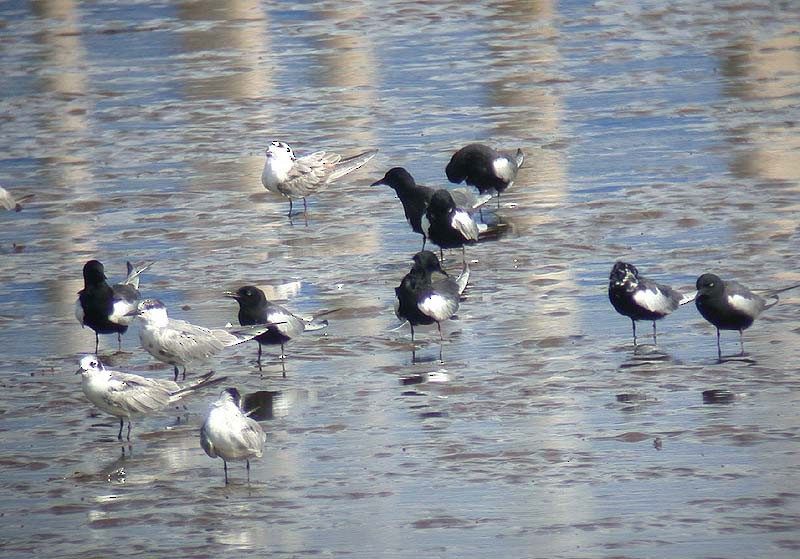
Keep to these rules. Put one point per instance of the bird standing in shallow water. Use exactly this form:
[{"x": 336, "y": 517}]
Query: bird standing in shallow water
[
  {"x": 181, "y": 343},
  {"x": 448, "y": 226},
  {"x": 106, "y": 308},
  {"x": 124, "y": 394},
  {"x": 416, "y": 197},
  {"x": 230, "y": 434},
  {"x": 427, "y": 294},
  {"x": 639, "y": 298},
  {"x": 729, "y": 305},
  {"x": 298, "y": 177},
  {"x": 484, "y": 168},
  {"x": 282, "y": 325}
]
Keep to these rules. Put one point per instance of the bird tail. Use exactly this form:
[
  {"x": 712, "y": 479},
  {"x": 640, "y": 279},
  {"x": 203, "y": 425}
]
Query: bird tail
[
  {"x": 687, "y": 298},
  {"x": 203, "y": 381},
  {"x": 519, "y": 158},
  {"x": 463, "y": 278},
  {"x": 773, "y": 294},
  {"x": 350, "y": 164},
  {"x": 134, "y": 270},
  {"x": 312, "y": 323}
]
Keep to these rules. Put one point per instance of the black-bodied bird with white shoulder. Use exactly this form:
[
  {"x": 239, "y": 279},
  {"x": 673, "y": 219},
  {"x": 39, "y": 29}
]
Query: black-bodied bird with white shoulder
[
  {"x": 281, "y": 324},
  {"x": 416, "y": 197},
  {"x": 729, "y": 305},
  {"x": 485, "y": 168},
  {"x": 640, "y": 298},
  {"x": 106, "y": 308}
]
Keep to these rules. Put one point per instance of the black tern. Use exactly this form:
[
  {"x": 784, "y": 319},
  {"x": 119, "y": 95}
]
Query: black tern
[
  {"x": 729, "y": 305},
  {"x": 180, "y": 343},
  {"x": 125, "y": 394},
  {"x": 230, "y": 434},
  {"x": 640, "y": 298},
  {"x": 484, "y": 168},
  {"x": 416, "y": 197},
  {"x": 298, "y": 177},
  {"x": 106, "y": 308},
  {"x": 448, "y": 226},
  {"x": 427, "y": 294},
  {"x": 282, "y": 325}
]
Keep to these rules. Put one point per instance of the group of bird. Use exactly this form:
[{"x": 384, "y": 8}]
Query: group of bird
[
  {"x": 427, "y": 294},
  {"x": 726, "y": 304}
]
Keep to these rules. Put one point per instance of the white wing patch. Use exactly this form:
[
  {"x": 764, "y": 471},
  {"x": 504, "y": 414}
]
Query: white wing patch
[
  {"x": 503, "y": 168},
  {"x": 653, "y": 301},
  {"x": 748, "y": 305},
  {"x": 438, "y": 307},
  {"x": 118, "y": 312},
  {"x": 465, "y": 225}
]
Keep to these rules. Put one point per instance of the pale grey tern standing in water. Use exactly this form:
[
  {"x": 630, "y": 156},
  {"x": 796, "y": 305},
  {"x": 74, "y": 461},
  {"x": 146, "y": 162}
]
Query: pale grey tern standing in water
[
  {"x": 229, "y": 433},
  {"x": 729, "y": 305},
  {"x": 298, "y": 177},
  {"x": 484, "y": 168},
  {"x": 282, "y": 325},
  {"x": 125, "y": 394},
  {"x": 640, "y": 298},
  {"x": 106, "y": 308},
  {"x": 180, "y": 343}
]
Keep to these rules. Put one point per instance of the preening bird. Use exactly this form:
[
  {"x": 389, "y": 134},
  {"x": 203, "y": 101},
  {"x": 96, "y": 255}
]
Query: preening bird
[
  {"x": 484, "y": 168},
  {"x": 106, "y": 308},
  {"x": 640, "y": 298}
]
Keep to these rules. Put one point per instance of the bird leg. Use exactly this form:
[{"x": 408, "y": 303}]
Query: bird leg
[
  {"x": 259, "y": 356},
  {"x": 741, "y": 342},
  {"x": 719, "y": 348},
  {"x": 96, "y": 342},
  {"x": 654, "y": 333},
  {"x": 289, "y": 215},
  {"x": 129, "y": 428},
  {"x": 633, "y": 322},
  {"x": 119, "y": 342},
  {"x": 119, "y": 435},
  {"x": 225, "y": 469},
  {"x": 248, "y": 470}
]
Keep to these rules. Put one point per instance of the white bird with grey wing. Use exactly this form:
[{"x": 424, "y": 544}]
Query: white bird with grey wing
[
  {"x": 125, "y": 394},
  {"x": 298, "y": 177},
  {"x": 180, "y": 343},
  {"x": 229, "y": 433}
]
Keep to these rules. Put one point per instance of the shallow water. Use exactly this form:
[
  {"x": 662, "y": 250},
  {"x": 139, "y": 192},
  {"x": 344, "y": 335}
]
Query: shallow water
[{"x": 665, "y": 134}]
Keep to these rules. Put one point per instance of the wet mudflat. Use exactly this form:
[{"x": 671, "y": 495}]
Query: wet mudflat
[{"x": 664, "y": 134}]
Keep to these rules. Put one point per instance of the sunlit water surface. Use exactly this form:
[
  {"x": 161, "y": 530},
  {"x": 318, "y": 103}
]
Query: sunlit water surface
[{"x": 662, "y": 133}]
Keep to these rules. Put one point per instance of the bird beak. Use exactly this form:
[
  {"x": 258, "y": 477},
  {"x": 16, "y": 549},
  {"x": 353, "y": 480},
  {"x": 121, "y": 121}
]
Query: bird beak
[
  {"x": 231, "y": 295},
  {"x": 79, "y": 371},
  {"x": 134, "y": 312},
  {"x": 376, "y": 183}
]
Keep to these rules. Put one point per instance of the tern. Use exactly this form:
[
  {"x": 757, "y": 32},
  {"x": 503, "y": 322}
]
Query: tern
[
  {"x": 282, "y": 325},
  {"x": 484, "y": 168},
  {"x": 125, "y": 394},
  {"x": 106, "y": 308},
  {"x": 229, "y": 433},
  {"x": 640, "y": 298},
  {"x": 729, "y": 305},
  {"x": 180, "y": 343},
  {"x": 298, "y": 177}
]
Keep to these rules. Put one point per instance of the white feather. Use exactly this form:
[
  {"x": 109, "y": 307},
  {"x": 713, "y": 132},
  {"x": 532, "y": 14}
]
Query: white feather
[
  {"x": 651, "y": 300},
  {"x": 437, "y": 307},
  {"x": 464, "y": 223}
]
